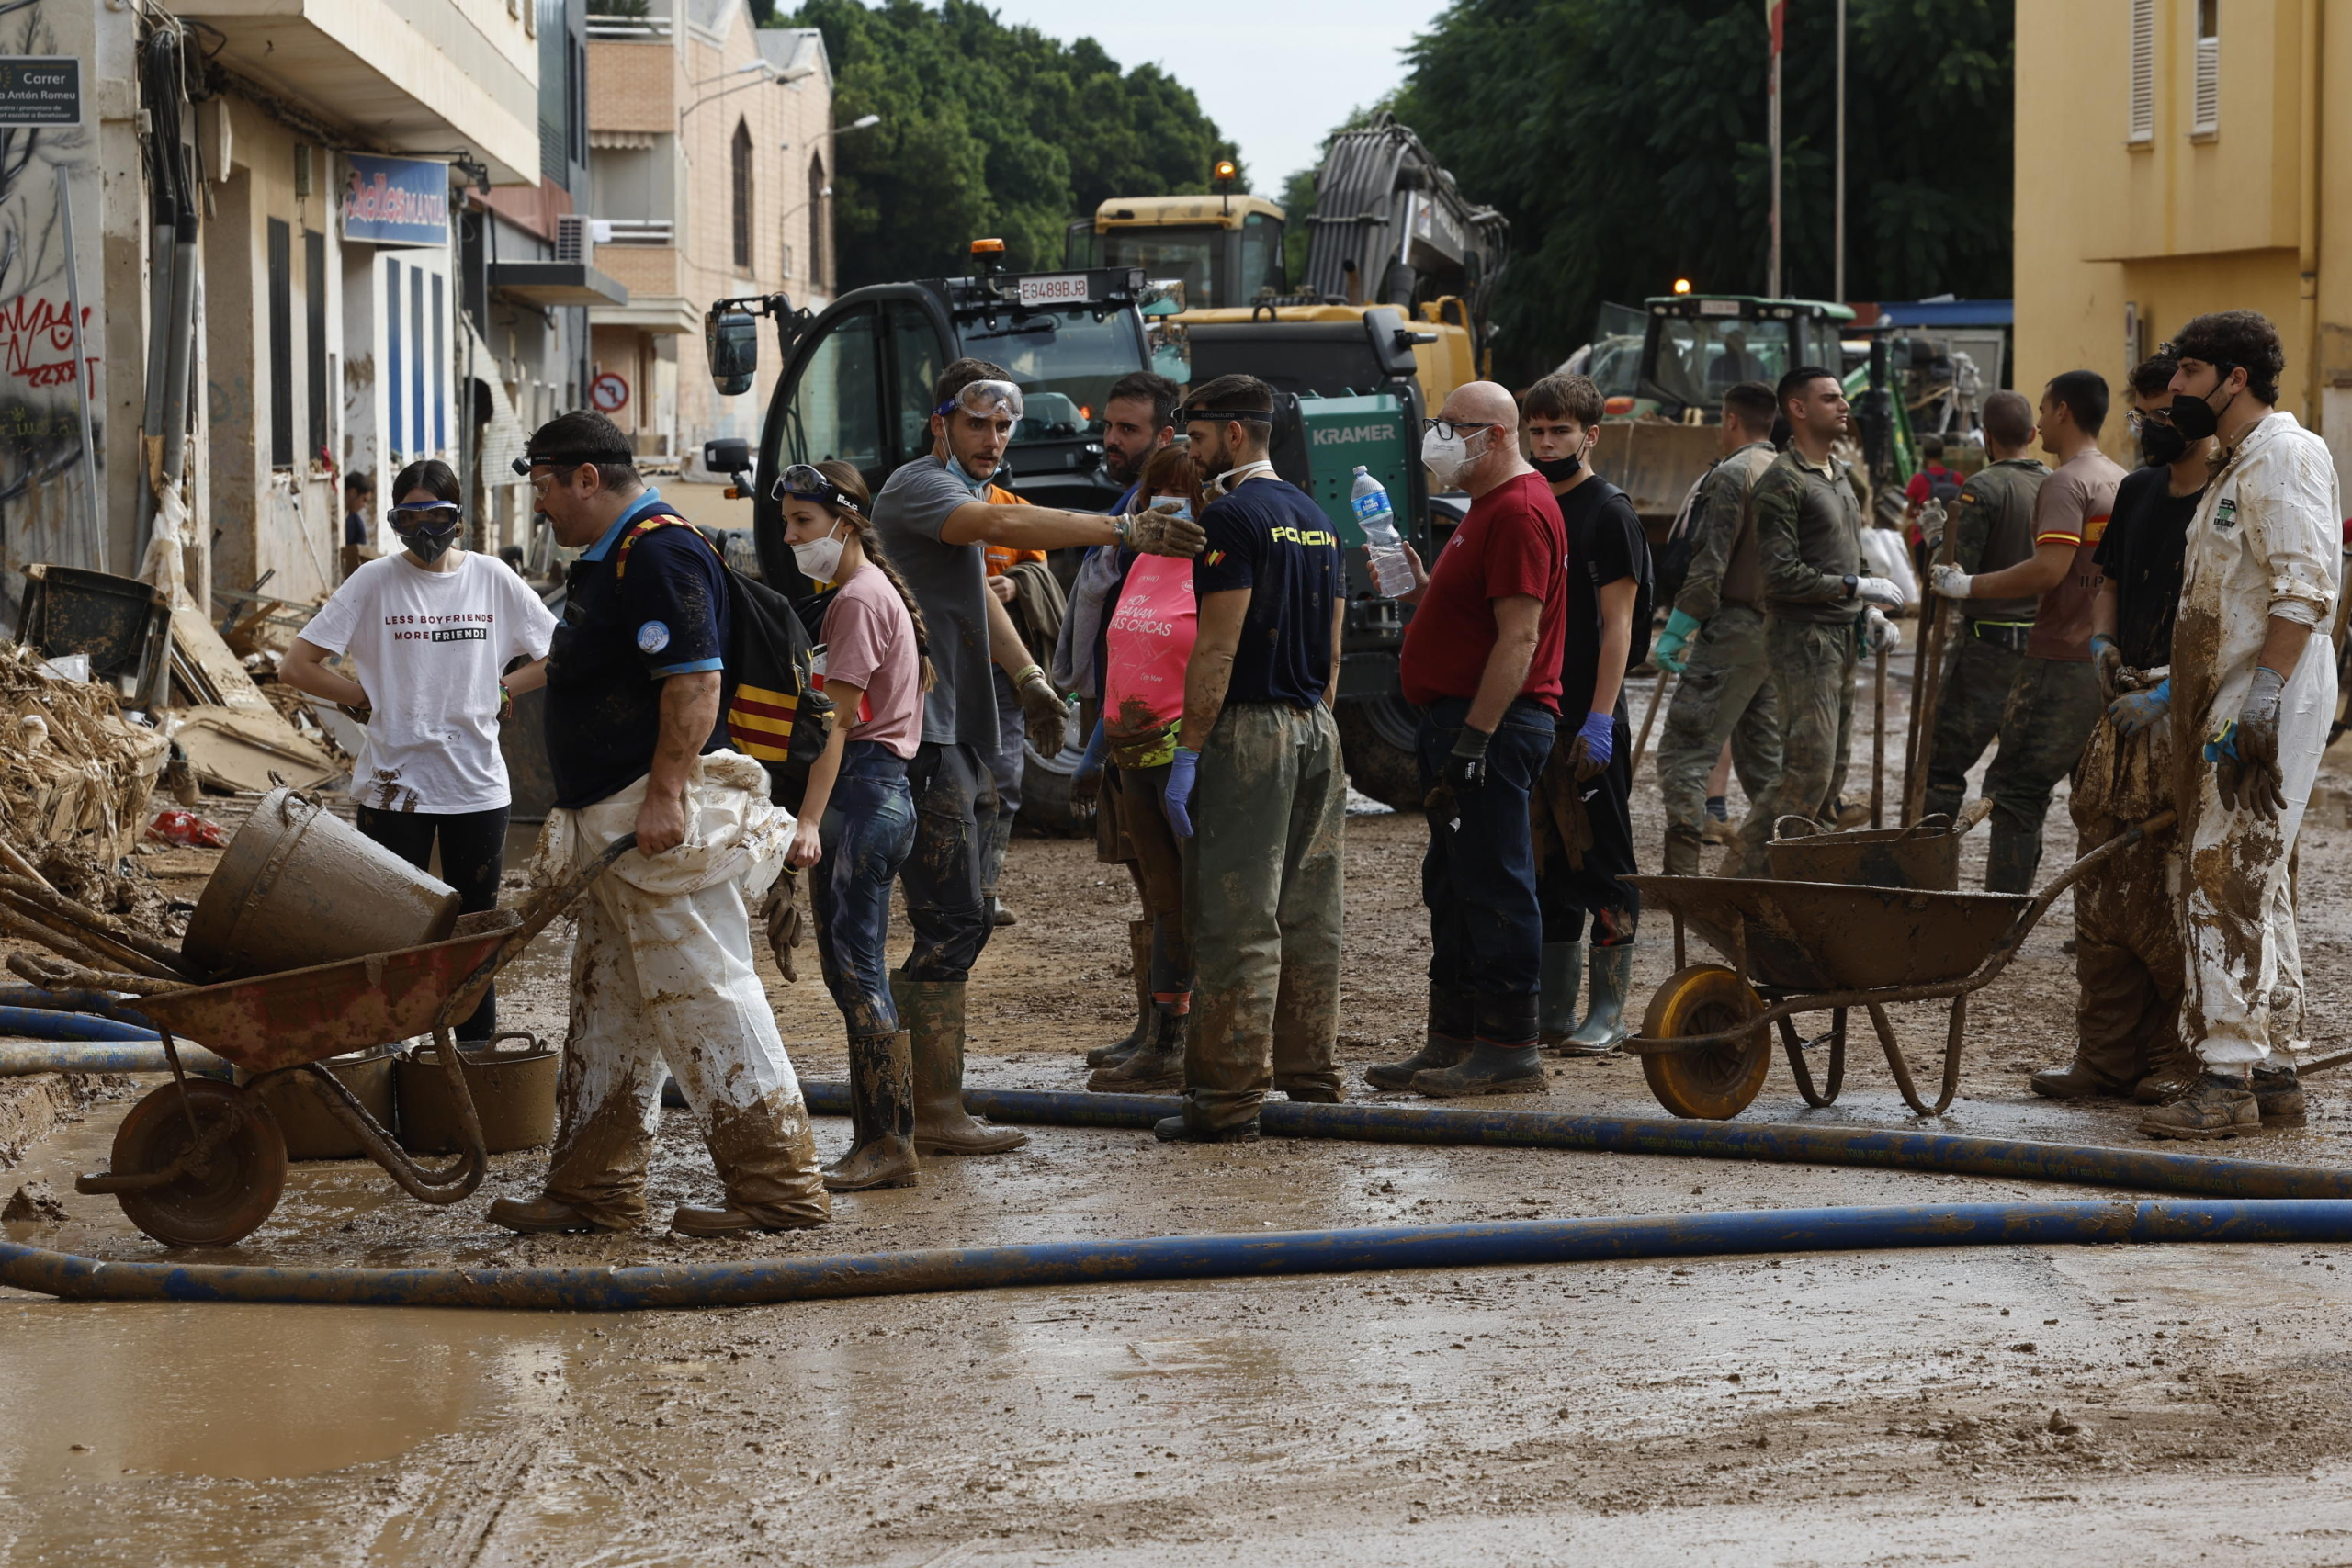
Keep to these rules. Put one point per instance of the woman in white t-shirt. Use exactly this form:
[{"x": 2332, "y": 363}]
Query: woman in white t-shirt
[
  {"x": 430, "y": 630},
  {"x": 857, "y": 816}
]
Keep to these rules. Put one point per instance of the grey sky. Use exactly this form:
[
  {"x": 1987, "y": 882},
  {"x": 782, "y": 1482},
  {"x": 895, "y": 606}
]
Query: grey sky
[{"x": 1276, "y": 77}]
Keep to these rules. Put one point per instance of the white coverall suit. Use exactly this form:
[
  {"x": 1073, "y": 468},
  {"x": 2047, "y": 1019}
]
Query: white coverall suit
[
  {"x": 662, "y": 974},
  {"x": 2267, "y": 542}
]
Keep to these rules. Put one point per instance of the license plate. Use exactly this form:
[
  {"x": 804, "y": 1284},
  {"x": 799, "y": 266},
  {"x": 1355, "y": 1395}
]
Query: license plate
[
  {"x": 1719, "y": 307},
  {"x": 1060, "y": 288}
]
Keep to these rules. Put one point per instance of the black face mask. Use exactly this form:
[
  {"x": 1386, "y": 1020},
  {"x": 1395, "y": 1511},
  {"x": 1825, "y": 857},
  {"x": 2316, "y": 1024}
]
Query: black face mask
[
  {"x": 1556, "y": 470},
  {"x": 2194, "y": 417},
  {"x": 2161, "y": 444},
  {"x": 427, "y": 548}
]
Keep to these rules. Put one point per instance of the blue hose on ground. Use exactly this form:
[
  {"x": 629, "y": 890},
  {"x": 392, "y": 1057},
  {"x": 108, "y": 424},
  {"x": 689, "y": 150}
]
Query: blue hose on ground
[
  {"x": 20, "y": 1058},
  {"x": 43, "y": 1023},
  {"x": 100, "y": 1003},
  {"x": 1509, "y": 1242}
]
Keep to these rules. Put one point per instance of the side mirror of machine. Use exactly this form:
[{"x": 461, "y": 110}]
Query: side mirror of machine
[
  {"x": 729, "y": 455},
  {"x": 1392, "y": 341},
  {"x": 731, "y": 338}
]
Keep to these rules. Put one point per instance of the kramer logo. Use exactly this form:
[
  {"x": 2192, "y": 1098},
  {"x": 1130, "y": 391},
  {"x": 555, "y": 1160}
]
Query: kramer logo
[{"x": 1349, "y": 435}]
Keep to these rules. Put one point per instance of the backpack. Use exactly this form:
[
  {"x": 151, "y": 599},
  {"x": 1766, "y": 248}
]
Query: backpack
[
  {"x": 772, "y": 708},
  {"x": 1670, "y": 562},
  {"x": 1943, "y": 487}
]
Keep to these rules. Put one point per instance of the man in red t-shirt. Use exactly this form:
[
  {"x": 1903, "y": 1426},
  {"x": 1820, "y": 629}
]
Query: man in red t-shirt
[{"x": 1482, "y": 661}]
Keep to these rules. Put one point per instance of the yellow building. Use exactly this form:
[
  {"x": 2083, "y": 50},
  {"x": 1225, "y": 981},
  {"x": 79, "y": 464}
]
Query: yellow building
[{"x": 2180, "y": 156}]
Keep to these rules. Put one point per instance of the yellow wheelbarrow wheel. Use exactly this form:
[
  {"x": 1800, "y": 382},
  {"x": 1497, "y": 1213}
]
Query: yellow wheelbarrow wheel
[{"x": 1712, "y": 1083}]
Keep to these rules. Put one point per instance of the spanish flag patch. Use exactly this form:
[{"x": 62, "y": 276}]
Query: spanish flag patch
[
  {"x": 1214, "y": 558},
  {"x": 760, "y": 722}
]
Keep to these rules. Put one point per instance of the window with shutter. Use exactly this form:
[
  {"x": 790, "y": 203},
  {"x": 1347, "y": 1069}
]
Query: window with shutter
[
  {"x": 2206, "y": 119},
  {"x": 2144, "y": 73}
]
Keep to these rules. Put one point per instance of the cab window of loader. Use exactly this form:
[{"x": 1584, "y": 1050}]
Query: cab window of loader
[
  {"x": 914, "y": 359},
  {"x": 836, "y": 405},
  {"x": 1261, "y": 257},
  {"x": 1063, "y": 362},
  {"x": 1698, "y": 361},
  {"x": 1187, "y": 253}
]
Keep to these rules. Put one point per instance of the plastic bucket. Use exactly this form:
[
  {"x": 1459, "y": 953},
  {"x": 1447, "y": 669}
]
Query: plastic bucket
[
  {"x": 299, "y": 1105},
  {"x": 300, "y": 886},
  {"x": 1925, "y": 856},
  {"x": 514, "y": 1093}
]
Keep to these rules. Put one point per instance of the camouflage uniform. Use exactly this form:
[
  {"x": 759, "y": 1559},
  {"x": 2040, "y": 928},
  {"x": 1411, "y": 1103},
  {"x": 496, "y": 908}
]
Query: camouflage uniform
[
  {"x": 1992, "y": 529},
  {"x": 1808, "y": 531},
  {"x": 1726, "y": 691}
]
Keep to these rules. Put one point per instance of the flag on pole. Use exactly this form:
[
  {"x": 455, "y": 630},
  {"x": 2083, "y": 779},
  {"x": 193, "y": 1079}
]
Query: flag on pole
[{"x": 1776, "y": 13}]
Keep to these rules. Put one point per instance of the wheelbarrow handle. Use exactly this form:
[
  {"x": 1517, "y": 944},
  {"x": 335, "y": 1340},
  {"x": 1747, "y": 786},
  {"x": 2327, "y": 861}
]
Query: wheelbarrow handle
[
  {"x": 2031, "y": 916},
  {"x": 557, "y": 899}
]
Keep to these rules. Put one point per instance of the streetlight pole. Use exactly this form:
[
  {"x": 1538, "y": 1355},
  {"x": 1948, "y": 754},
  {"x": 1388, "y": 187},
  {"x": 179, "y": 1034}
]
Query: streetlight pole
[
  {"x": 1838, "y": 287},
  {"x": 1776, "y": 13}
]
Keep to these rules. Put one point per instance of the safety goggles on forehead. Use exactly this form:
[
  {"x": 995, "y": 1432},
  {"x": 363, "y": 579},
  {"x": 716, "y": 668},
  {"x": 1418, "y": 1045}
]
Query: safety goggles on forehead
[
  {"x": 805, "y": 482},
  {"x": 425, "y": 516},
  {"x": 985, "y": 398},
  {"x": 523, "y": 465},
  {"x": 1447, "y": 429},
  {"x": 1223, "y": 416}
]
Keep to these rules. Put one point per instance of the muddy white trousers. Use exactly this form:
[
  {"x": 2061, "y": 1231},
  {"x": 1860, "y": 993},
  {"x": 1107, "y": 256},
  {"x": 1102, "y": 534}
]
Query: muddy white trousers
[
  {"x": 2245, "y": 972},
  {"x": 662, "y": 978}
]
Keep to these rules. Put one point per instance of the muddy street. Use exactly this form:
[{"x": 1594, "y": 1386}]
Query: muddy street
[{"x": 1829, "y": 1409}]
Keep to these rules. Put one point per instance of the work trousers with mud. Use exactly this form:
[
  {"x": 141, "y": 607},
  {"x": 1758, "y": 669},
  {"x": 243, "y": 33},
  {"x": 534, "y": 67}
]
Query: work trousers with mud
[
  {"x": 665, "y": 979},
  {"x": 1724, "y": 694},
  {"x": 2052, "y": 704},
  {"x": 1478, "y": 875},
  {"x": 1974, "y": 694},
  {"x": 1572, "y": 887},
  {"x": 1270, "y": 819},
  {"x": 473, "y": 854},
  {"x": 1006, "y": 766},
  {"x": 1159, "y": 876},
  {"x": 868, "y": 829},
  {"x": 1813, "y": 676},
  {"x": 941, "y": 876},
  {"x": 2128, "y": 959}
]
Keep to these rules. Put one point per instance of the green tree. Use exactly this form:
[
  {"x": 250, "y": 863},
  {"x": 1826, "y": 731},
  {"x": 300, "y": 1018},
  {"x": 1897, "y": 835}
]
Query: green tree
[
  {"x": 1627, "y": 145},
  {"x": 989, "y": 130}
]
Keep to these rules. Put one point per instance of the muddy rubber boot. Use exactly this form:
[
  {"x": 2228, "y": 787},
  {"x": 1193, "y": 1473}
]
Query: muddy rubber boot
[
  {"x": 2219, "y": 1107},
  {"x": 1561, "y": 977},
  {"x": 1158, "y": 1068},
  {"x": 1488, "y": 1069},
  {"x": 1682, "y": 854},
  {"x": 2279, "y": 1095},
  {"x": 1313, "y": 1094},
  {"x": 706, "y": 1223},
  {"x": 2077, "y": 1081},
  {"x": 933, "y": 1011},
  {"x": 1140, "y": 946},
  {"x": 882, "y": 1107},
  {"x": 1447, "y": 1042},
  {"x": 1182, "y": 1128},
  {"x": 1603, "y": 1028},
  {"x": 541, "y": 1216}
]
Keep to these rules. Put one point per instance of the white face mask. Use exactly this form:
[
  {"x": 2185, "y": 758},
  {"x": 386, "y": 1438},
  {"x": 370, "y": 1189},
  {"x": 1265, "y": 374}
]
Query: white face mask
[
  {"x": 1445, "y": 456},
  {"x": 820, "y": 558},
  {"x": 1223, "y": 484}
]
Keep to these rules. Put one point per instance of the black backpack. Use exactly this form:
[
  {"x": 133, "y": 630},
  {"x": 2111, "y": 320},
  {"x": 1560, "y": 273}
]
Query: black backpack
[
  {"x": 1943, "y": 487},
  {"x": 773, "y": 711}
]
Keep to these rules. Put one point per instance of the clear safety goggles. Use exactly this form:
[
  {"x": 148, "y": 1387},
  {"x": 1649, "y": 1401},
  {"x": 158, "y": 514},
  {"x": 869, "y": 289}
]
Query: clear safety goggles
[
  {"x": 425, "y": 517},
  {"x": 806, "y": 481},
  {"x": 984, "y": 398}
]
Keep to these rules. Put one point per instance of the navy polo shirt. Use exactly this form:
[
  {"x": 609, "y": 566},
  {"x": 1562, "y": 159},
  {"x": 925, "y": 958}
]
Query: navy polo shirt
[
  {"x": 631, "y": 619},
  {"x": 1269, "y": 537}
]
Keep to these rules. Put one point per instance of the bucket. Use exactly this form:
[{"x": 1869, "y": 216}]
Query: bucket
[
  {"x": 514, "y": 1095},
  {"x": 299, "y": 1105},
  {"x": 299, "y": 886},
  {"x": 1925, "y": 856}
]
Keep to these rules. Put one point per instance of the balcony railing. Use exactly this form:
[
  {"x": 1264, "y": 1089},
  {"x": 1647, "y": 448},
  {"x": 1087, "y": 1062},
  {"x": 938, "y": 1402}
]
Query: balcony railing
[
  {"x": 635, "y": 231},
  {"x": 628, "y": 29}
]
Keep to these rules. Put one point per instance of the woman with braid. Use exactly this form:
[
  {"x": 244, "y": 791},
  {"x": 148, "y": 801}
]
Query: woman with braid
[{"x": 857, "y": 817}]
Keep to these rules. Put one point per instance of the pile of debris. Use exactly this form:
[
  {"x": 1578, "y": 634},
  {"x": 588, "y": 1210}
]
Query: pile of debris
[{"x": 74, "y": 774}]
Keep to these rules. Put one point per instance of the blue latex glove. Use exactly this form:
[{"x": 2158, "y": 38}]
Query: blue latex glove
[
  {"x": 1669, "y": 652},
  {"x": 1595, "y": 743},
  {"x": 1098, "y": 746},
  {"x": 2136, "y": 710},
  {"x": 1179, "y": 794}
]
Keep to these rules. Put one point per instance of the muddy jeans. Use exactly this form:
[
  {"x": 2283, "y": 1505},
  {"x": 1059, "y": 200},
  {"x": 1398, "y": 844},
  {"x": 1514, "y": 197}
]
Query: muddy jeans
[
  {"x": 1006, "y": 764},
  {"x": 1968, "y": 717},
  {"x": 1725, "y": 694},
  {"x": 1812, "y": 672},
  {"x": 1266, "y": 878},
  {"x": 473, "y": 852},
  {"x": 942, "y": 877},
  {"x": 2052, "y": 704},
  {"x": 869, "y": 827},
  {"x": 1478, "y": 875},
  {"x": 1160, "y": 876}
]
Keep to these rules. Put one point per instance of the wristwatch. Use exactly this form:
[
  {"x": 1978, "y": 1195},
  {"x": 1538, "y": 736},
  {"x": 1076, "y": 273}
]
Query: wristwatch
[{"x": 1852, "y": 583}]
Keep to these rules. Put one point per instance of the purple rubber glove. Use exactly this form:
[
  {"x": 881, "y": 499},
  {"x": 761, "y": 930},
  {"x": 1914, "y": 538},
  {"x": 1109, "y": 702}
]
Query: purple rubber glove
[
  {"x": 1178, "y": 796},
  {"x": 1595, "y": 743}
]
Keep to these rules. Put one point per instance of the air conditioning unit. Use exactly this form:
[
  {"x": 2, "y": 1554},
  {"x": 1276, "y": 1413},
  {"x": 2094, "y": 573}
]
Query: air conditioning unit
[{"x": 575, "y": 239}]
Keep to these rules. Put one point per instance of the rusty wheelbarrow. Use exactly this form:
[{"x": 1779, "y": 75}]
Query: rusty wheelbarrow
[
  {"x": 1814, "y": 946},
  {"x": 198, "y": 1162}
]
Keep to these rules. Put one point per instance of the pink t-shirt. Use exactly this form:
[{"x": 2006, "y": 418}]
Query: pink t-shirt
[
  {"x": 870, "y": 642},
  {"x": 1145, "y": 646}
]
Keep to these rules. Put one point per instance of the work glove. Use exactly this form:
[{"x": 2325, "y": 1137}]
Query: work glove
[
  {"x": 2134, "y": 712},
  {"x": 1044, "y": 716},
  {"x": 1879, "y": 591},
  {"x": 1669, "y": 652},
  {"x": 1950, "y": 581},
  {"x": 1178, "y": 795},
  {"x": 1162, "y": 530},
  {"x": 2107, "y": 657},
  {"x": 1465, "y": 765},
  {"x": 1097, "y": 748},
  {"x": 2245, "y": 751},
  {"x": 1595, "y": 743},
  {"x": 1879, "y": 634},
  {"x": 1931, "y": 525}
]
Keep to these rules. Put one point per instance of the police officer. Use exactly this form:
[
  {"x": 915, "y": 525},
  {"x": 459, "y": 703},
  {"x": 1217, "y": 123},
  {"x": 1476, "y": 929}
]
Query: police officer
[
  {"x": 1992, "y": 529},
  {"x": 1819, "y": 607},
  {"x": 1714, "y": 640}
]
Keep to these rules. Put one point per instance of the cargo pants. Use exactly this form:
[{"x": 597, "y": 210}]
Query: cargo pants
[
  {"x": 1812, "y": 667},
  {"x": 2128, "y": 957},
  {"x": 2052, "y": 704},
  {"x": 1968, "y": 717},
  {"x": 1265, "y": 882},
  {"x": 1725, "y": 694}
]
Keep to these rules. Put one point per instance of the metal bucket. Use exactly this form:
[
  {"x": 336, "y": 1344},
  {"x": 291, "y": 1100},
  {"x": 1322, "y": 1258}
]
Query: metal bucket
[
  {"x": 1925, "y": 856},
  {"x": 300, "y": 886},
  {"x": 300, "y": 1104},
  {"x": 514, "y": 1095}
]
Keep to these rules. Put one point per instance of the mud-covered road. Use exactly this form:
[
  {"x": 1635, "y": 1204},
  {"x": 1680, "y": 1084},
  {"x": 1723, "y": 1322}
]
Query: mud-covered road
[{"x": 2022, "y": 1404}]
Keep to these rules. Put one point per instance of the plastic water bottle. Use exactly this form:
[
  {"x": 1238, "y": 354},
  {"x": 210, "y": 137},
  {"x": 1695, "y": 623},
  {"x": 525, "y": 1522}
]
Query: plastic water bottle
[{"x": 1390, "y": 572}]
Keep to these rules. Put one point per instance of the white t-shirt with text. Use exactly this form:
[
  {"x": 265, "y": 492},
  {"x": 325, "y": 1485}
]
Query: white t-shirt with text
[{"x": 430, "y": 647}]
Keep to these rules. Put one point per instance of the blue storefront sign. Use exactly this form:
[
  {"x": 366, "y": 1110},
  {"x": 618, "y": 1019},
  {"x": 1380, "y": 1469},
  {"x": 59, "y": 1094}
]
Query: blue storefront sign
[{"x": 395, "y": 201}]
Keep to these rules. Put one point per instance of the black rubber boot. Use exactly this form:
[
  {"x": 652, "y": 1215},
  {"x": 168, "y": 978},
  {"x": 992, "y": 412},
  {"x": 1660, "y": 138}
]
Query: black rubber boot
[
  {"x": 2278, "y": 1094},
  {"x": 882, "y": 1110},
  {"x": 1140, "y": 947},
  {"x": 540, "y": 1216},
  {"x": 1182, "y": 1128},
  {"x": 2077, "y": 1081},
  {"x": 1488, "y": 1069},
  {"x": 1448, "y": 1042},
  {"x": 1603, "y": 1028},
  {"x": 1561, "y": 983},
  {"x": 1158, "y": 1068}
]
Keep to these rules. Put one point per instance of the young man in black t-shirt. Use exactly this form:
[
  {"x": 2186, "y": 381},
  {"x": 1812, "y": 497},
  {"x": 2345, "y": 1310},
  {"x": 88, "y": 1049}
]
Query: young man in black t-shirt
[
  {"x": 2128, "y": 957},
  {"x": 1256, "y": 787},
  {"x": 1591, "y": 771}
]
